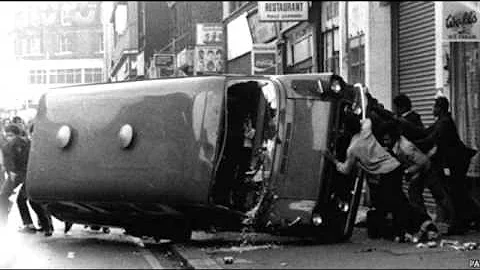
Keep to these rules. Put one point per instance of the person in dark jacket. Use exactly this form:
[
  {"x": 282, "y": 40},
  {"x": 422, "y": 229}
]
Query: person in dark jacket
[
  {"x": 403, "y": 108},
  {"x": 411, "y": 126},
  {"x": 15, "y": 154},
  {"x": 454, "y": 158}
]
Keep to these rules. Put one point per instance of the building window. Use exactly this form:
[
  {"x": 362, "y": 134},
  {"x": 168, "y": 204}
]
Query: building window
[
  {"x": 61, "y": 76},
  {"x": 67, "y": 14},
  {"x": 331, "y": 50},
  {"x": 93, "y": 75},
  {"x": 100, "y": 42},
  {"x": 37, "y": 77},
  {"x": 77, "y": 76},
  {"x": 330, "y": 37},
  {"x": 356, "y": 59},
  {"x": 234, "y": 5},
  {"x": 331, "y": 9},
  {"x": 31, "y": 45},
  {"x": 65, "y": 43},
  {"x": 69, "y": 76}
]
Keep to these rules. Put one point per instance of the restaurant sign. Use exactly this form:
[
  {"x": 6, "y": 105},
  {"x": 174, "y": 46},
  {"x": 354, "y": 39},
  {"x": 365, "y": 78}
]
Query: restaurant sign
[
  {"x": 283, "y": 10},
  {"x": 461, "y": 22}
]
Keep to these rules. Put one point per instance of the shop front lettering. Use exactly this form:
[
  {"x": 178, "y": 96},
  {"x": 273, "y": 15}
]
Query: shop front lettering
[
  {"x": 282, "y": 6},
  {"x": 264, "y": 63},
  {"x": 462, "y": 20}
]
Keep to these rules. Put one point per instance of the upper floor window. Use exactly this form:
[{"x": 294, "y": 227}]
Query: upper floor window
[
  {"x": 93, "y": 75},
  {"x": 66, "y": 14},
  {"x": 65, "y": 43},
  {"x": 100, "y": 42},
  {"x": 31, "y": 45},
  {"x": 234, "y": 5},
  {"x": 330, "y": 37},
  {"x": 331, "y": 9},
  {"x": 37, "y": 77}
]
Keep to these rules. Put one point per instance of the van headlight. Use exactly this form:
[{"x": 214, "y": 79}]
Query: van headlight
[
  {"x": 64, "y": 136},
  {"x": 317, "y": 220},
  {"x": 343, "y": 206}
]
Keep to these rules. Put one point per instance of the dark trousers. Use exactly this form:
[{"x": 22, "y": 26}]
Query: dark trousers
[
  {"x": 433, "y": 180},
  {"x": 6, "y": 190},
  {"x": 44, "y": 217},
  {"x": 388, "y": 196},
  {"x": 458, "y": 189}
]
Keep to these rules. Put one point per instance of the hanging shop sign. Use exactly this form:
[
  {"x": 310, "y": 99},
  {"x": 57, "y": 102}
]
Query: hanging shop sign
[
  {"x": 264, "y": 58},
  {"x": 283, "y": 10},
  {"x": 209, "y": 33},
  {"x": 261, "y": 31},
  {"x": 208, "y": 59},
  {"x": 461, "y": 21},
  {"x": 165, "y": 64},
  {"x": 185, "y": 58}
]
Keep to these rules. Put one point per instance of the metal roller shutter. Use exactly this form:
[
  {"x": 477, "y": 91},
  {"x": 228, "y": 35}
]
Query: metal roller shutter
[{"x": 416, "y": 60}]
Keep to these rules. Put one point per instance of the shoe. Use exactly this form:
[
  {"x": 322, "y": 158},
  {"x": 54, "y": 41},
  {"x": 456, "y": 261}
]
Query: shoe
[
  {"x": 48, "y": 233},
  {"x": 68, "y": 226},
  {"x": 28, "y": 229}
]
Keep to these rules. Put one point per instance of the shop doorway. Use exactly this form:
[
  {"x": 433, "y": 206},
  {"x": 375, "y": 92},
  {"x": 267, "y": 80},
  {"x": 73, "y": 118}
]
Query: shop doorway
[{"x": 465, "y": 81}]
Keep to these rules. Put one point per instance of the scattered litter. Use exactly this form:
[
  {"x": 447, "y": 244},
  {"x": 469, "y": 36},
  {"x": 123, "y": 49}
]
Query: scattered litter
[
  {"x": 284, "y": 264},
  {"x": 228, "y": 260},
  {"x": 470, "y": 245},
  {"x": 368, "y": 249},
  {"x": 461, "y": 248},
  {"x": 71, "y": 255},
  {"x": 246, "y": 248},
  {"x": 421, "y": 245},
  {"x": 445, "y": 242},
  {"x": 429, "y": 244}
]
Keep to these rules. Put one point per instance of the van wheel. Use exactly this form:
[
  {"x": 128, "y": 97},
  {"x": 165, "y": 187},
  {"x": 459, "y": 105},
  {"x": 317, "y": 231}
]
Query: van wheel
[{"x": 183, "y": 234}]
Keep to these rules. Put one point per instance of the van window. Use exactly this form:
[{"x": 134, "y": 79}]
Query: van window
[{"x": 249, "y": 130}]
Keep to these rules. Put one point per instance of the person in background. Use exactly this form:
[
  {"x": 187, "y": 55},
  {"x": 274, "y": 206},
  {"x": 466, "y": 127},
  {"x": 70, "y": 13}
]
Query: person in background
[{"x": 453, "y": 157}]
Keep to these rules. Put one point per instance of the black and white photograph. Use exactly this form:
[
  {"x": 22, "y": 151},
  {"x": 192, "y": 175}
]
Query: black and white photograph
[{"x": 240, "y": 135}]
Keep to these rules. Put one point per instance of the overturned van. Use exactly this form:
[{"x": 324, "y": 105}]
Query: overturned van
[{"x": 164, "y": 157}]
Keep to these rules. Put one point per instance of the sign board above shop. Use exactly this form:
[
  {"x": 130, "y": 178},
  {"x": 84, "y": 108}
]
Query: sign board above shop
[
  {"x": 264, "y": 59},
  {"x": 209, "y": 33},
  {"x": 272, "y": 11},
  {"x": 461, "y": 21}
]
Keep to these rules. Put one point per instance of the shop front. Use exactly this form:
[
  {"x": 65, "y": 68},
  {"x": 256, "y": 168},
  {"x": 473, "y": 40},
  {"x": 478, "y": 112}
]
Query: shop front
[{"x": 461, "y": 30}]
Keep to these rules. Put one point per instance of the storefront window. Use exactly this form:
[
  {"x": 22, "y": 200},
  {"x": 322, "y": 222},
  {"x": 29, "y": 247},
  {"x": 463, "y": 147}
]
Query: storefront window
[{"x": 465, "y": 69}]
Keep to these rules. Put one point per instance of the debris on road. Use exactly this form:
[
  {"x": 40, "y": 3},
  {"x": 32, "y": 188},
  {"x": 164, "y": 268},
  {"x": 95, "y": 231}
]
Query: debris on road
[
  {"x": 228, "y": 260},
  {"x": 368, "y": 249},
  {"x": 470, "y": 245},
  {"x": 71, "y": 255},
  {"x": 421, "y": 245},
  {"x": 284, "y": 264},
  {"x": 445, "y": 242}
]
